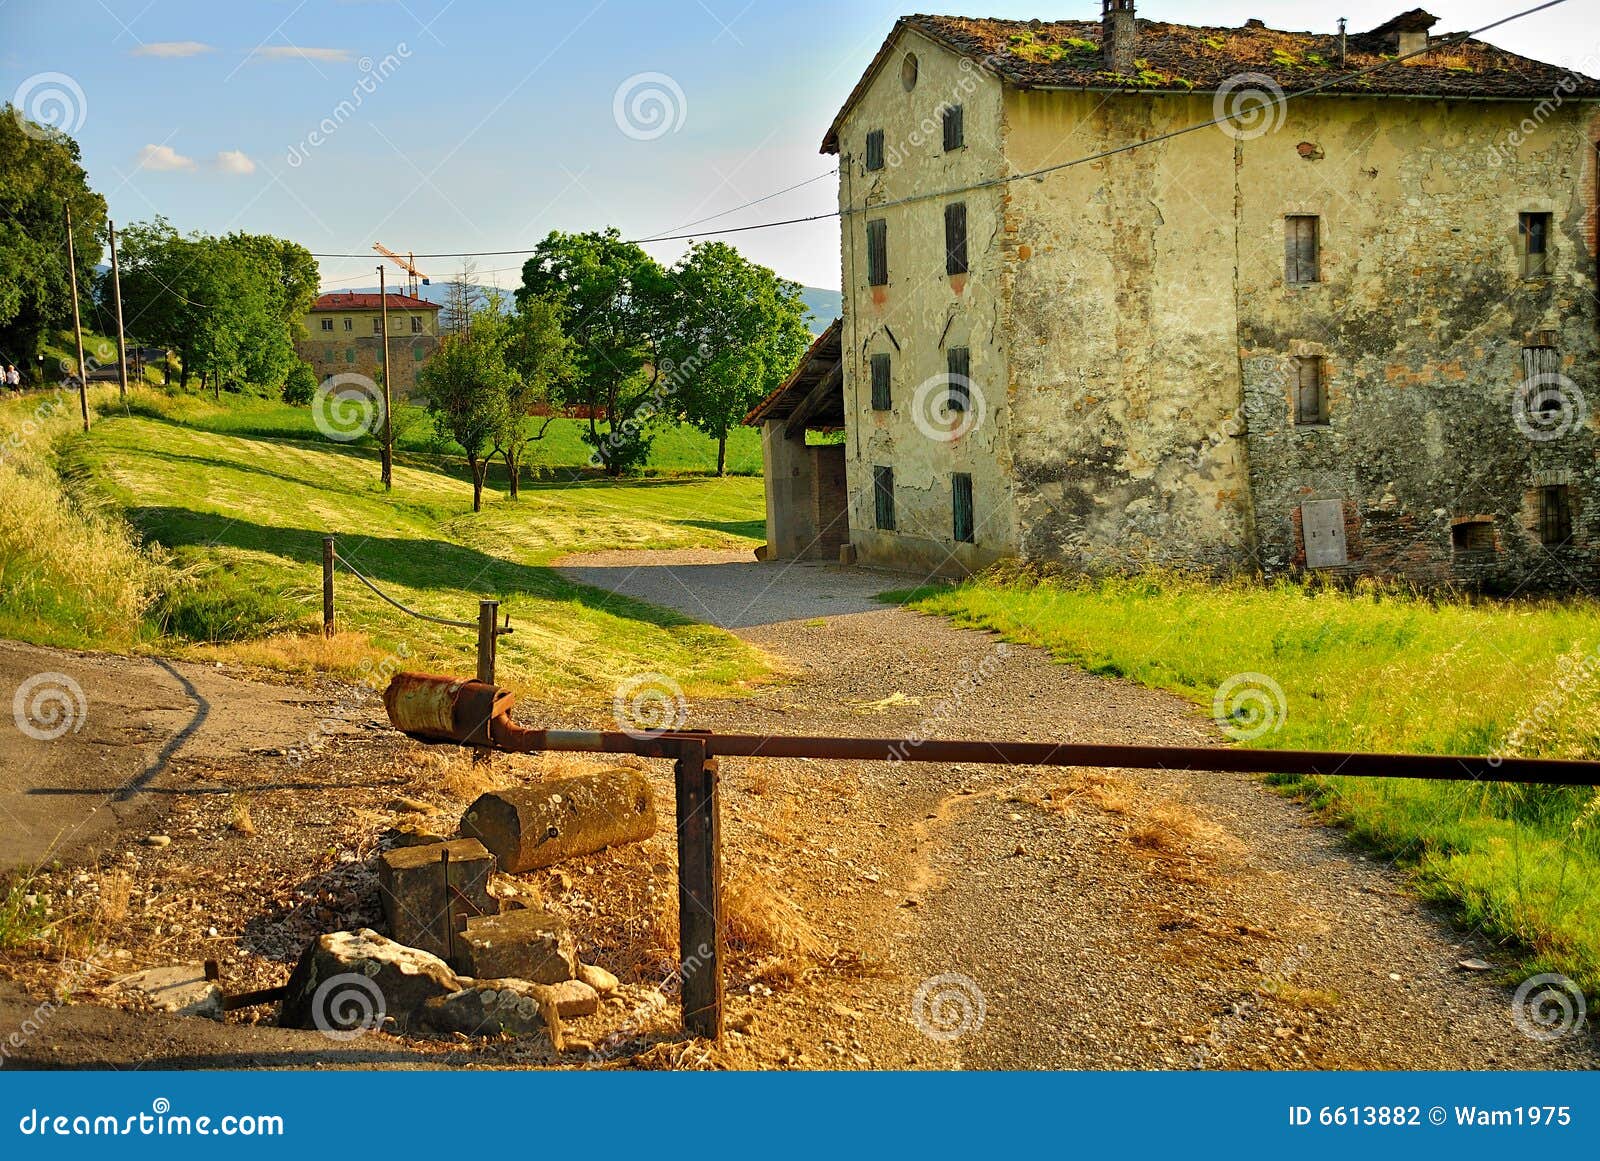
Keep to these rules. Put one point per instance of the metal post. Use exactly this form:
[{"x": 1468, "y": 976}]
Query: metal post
[
  {"x": 388, "y": 429},
  {"x": 327, "y": 586},
  {"x": 699, "y": 891},
  {"x": 488, "y": 616},
  {"x": 77, "y": 323},
  {"x": 116, "y": 286}
]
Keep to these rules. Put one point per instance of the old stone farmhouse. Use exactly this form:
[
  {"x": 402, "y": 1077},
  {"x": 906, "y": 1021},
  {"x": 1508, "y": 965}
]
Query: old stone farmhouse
[{"x": 1354, "y": 331}]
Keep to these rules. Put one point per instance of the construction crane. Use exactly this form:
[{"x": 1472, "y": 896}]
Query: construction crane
[{"x": 413, "y": 275}]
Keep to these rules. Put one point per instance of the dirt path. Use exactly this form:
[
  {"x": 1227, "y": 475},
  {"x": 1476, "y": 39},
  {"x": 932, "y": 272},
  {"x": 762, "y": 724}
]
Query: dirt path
[
  {"x": 128, "y": 721},
  {"x": 1117, "y": 920}
]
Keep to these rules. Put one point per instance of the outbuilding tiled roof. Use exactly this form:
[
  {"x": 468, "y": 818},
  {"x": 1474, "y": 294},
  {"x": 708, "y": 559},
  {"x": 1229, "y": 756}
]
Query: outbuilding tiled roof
[
  {"x": 1182, "y": 58},
  {"x": 369, "y": 300}
]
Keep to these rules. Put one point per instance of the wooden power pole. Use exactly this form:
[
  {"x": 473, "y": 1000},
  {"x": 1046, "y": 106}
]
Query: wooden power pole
[
  {"x": 77, "y": 323},
  {"x": 116, "y": 285},
  {"x": 388, "y": 429}
]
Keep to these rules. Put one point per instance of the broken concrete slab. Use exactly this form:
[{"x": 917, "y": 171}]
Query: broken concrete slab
[
  {"x": 491, "y": 1008},
  {"x": 350, "y": 982},
  {"x": 525, "y": 945},
  {"x": 561, "y": 819},
  {"x": 574, "y": 998},
  {"x": 411, "y": 881},
  {"x": 180, "y": 988}
]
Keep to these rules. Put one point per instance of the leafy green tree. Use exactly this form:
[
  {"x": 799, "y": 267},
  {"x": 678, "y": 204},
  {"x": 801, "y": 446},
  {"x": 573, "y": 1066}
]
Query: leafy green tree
[
  {"x": 300, "y": 387},
  {"x": 40, "y": 175},
  {"x": 466, "y": 382},
  {"x": 541, "y": 360},
  {"x": 614, "y": 295},
  {"x": 735, "y": 332}
]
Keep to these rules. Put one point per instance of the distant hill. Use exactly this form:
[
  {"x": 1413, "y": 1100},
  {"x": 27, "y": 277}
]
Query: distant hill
[{"x": 824, "y": 305}]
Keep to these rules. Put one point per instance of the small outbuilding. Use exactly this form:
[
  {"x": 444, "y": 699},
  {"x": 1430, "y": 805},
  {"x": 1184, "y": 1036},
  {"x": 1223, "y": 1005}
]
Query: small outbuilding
[{"x": 807, "y": 509}]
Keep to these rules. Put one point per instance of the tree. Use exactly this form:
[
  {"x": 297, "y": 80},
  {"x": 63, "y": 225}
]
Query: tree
[
  {"x": 614, "y": 296},
  {"x": 540, "y": 357},
  {"x": 467, "y": 388},
  {"x": 736, "y": 332},
  {"x": 300, "y": 387},
  {"x": 231, "y": 307},
  {"x": 39, "y": 175},
  {"x": 463, "y": 300}
]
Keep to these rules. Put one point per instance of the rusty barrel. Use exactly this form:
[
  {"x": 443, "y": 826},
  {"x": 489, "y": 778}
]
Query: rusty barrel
[{"x": 445, "y": 709}]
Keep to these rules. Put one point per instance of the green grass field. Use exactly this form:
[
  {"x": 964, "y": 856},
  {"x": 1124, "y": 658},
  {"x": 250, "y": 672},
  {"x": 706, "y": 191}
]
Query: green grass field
[
  {"x": 1373, "y": 671},
  {"x": 233, "y": 526},
  {"x": 561, "y": 453}
]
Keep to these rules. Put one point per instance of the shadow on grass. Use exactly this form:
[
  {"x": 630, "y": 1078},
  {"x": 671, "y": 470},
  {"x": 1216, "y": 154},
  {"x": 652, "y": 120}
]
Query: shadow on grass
[{"x": 415, "y": 562}]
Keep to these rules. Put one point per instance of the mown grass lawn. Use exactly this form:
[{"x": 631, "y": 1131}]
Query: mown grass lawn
[
  {"x": 561, "y": 453},
  {"x": 232, "y": 525},
  {"x": 1372, "y": 671}
]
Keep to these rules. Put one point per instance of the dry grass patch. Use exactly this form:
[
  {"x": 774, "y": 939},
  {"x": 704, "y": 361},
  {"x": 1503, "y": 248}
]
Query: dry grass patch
[
  {"x": 116, "y": 891},
  {"x": 1305, "y": 999}
]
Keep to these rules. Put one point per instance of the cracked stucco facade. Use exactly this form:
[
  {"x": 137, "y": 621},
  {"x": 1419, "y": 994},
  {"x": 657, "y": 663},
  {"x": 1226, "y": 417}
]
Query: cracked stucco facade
[{"x": 1133, "y": 336}]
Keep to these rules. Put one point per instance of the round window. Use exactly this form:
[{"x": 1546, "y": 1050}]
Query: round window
[{"x": 908, "y": 71}]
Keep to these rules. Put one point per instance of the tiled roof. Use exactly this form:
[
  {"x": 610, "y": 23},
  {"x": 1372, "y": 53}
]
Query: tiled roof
[
  {"x": 366, "y": 300},
  {"x": 1182, "y": 57}
]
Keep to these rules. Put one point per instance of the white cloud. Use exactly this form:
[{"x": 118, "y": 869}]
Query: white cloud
[
  {"x": 163, "y": 157},
  {"x": 235, "y": 161},
  {"x": 172, "y": 48},
  {"x": 296, "y": 52}
]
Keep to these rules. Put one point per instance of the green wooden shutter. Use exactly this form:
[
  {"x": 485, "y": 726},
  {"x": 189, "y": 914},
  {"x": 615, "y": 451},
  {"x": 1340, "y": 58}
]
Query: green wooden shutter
[
  {"x": 880, "y": 383},
  {"x": 961, "y": 503}
]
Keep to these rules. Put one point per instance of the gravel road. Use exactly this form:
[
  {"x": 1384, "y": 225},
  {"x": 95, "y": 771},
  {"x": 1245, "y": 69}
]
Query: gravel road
[{"x": 1033, "y": 918}]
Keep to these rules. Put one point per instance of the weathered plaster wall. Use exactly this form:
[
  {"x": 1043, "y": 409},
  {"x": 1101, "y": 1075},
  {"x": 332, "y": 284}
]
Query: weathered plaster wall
[
  {"x": 1420, "y": 319},
  {"x": 1125, "y": 390},
  {"x": 923, "y": 311}
]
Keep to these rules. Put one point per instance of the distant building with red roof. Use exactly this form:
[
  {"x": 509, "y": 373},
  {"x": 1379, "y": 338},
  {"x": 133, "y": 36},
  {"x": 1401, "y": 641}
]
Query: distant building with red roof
[{"x": 344, "y": 335}]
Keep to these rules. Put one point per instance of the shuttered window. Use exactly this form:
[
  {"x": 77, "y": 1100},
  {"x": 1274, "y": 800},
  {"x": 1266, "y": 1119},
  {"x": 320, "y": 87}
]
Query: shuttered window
[
  {"x": 954, "y": 128},
  {"x": 875, "y": 149},
  {"x": 1533, "y": 234},
  {"x": 958, "y": 361},
  {"x": 1311, "y": 396},
  {"x": 1555, "y": 514},
  {"x": 1301, "y": 249},
  {"x": 877, "y": 252},
  {"x": 955, "y": 238},
  {"x": 961, "y": 504},
  {"x": 883, "y": 498},
  {"x": 880, "y": 383}
]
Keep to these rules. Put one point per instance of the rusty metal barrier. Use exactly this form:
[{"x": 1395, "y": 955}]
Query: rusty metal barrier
[{"x": 432, "y": 708}]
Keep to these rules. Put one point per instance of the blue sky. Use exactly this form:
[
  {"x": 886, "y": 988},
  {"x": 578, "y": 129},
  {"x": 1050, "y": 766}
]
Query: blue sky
[{"x": 495, "y": 121}]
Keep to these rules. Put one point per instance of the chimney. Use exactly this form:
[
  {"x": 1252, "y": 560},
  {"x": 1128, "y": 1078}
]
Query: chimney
[{"x": 1118, "y": 36}]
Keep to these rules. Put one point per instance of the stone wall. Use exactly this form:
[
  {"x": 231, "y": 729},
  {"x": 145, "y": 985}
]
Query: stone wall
[
  {"x": 1125, "y": 390},
  {"x": 1420, "y": 319}
]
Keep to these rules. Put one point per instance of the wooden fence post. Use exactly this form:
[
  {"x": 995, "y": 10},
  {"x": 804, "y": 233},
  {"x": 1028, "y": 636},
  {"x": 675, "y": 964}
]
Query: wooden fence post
[
  {"x": 488, "y": 617},
  {"x": 699, "y": 891},
  {"x": 327, "y": 586}
]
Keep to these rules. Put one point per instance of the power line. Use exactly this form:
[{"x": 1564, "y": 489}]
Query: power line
[
  {"x": 1276, "y": 102},
  {"x": 663, "y": 236}
]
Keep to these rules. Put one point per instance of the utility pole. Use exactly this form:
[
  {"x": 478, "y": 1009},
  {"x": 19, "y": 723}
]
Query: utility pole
[
  {"x": 388, "y": 429},
  {"x": 77, "y": 324},
  {"x": 116, "y": 284}
]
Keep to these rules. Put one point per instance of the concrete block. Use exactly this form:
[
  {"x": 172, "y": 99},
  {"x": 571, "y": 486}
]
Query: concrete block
[
  {"x": 524, "y": 945},
  {"x": 411, "y": 882}
]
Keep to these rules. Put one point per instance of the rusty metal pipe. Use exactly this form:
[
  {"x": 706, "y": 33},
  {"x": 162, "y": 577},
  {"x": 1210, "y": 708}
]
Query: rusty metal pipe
[{"x": 477, "y": 714}]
